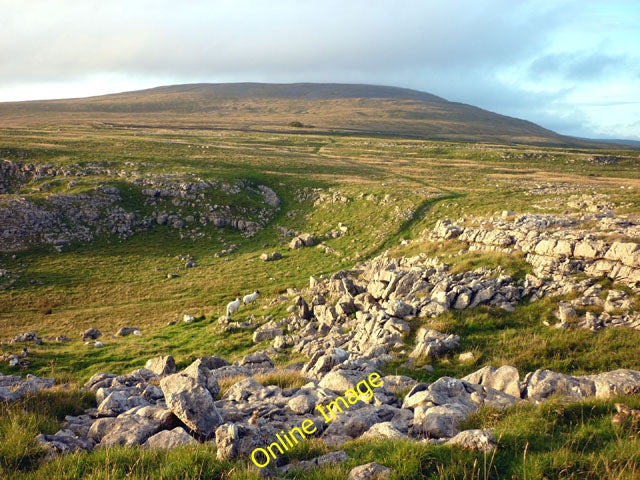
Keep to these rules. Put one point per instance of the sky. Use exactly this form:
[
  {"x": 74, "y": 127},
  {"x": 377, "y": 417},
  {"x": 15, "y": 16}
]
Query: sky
[{"x": 572, "y": 66}]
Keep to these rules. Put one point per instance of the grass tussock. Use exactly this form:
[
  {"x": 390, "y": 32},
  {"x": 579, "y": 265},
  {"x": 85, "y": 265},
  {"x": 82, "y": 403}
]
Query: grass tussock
[{"x": 282, "y": 379}]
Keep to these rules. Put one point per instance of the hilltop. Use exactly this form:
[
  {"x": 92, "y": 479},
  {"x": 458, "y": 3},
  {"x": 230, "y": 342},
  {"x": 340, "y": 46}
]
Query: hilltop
[{"x": 302, "y": 108}]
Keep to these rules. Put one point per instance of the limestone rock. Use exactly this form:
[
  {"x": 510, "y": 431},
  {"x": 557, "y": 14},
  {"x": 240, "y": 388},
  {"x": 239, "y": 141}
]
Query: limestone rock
[
  {"x": 243, "y": 389},
  {"x": 161, "y": 365},
  {"x": 190, "y": 400},
  {"x": 478, "y": 440},
  {"x": 114, "y": 404},
  {"x": 565, "y": 312},
  {"x": 506, "y": 379},
  {"x": 262, "y": 334},
  {"x": 125, "y": 331},
  {"x": 430, "y": 343},
  {"x": 542, "y": 384},
  {"x": 199, "y": 371},
  {"x": 64, "y": 441},
  {"x": 167, "y": 439},
  {"x": 128, "y": 430},
  {"x": 91, "y": 333},
  {"x": 226, "y": 438},
  {"x": 341, "y": 380},
  {"x": 384, "y": 430},
  {"x": 301, "y": 404},
  {"x": 236, "y": 440},
  {"x": 257, "y": 362},
  {"x": 370, "y": 471},
  {"x": 616, "y": 382}
]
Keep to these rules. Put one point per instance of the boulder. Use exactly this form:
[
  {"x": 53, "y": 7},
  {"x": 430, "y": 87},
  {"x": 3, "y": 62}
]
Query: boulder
[
  {"x": 64, "y": 441},
  {"x": 506, "y": 379},
  {"x": 125, "y": 331},
  {"x": 237, "y": 440},
  {"x": 430, "y": 343},
  {"x": 307, "y": 239},
  {"x": 340, "y": 380},
  {"x": 127, "y": 430},
  {"x": 542, "y": 384},
  {"x": 303, "y": 240},
  {"x": 589, "y": 249},
  {"x": 262, "y": 334},
  {"x": 441, "y": 406},
  {"x": 257, "y": 362},
  {"x": 440, "y": 421},
  {"x": 161, "y": 365},
  {"x": 614, "y": 383},
  {"x": 565, "y": 312},
  {"x": 477, "y": 440},
  {"x": 191, "y": 401},
  {"x": 621, "y": 251},
  {"x": 383, "y": 430},
  {"x": 243, "y": 389},
  {"x": 114, "y": 404},
  {"x": 301, "y": 404},
  {"x": 226, "y": 438},
  {"x": 91, "y": 333},
  {"x": 322, "y": 362},
  {"x": 370, "y": 471},
  {"x": 199, "y": 371},
  {"x": 168, "y": 439},
  {"x": 28, "y": 337}
]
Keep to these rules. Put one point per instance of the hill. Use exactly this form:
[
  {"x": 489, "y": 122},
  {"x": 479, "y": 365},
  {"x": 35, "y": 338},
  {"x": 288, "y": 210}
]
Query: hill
[{"x": 302, "y": 107}]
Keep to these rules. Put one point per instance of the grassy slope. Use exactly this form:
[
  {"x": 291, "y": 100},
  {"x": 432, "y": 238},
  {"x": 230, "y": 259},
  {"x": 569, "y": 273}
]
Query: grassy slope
[
  {"x": 114, "y": 283},
  {"x": 328, "y": 108}
]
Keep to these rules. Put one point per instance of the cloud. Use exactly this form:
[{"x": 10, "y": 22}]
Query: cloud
[
  {"x": 223, "y": 38},
  {"x": 578, "y": 66}
]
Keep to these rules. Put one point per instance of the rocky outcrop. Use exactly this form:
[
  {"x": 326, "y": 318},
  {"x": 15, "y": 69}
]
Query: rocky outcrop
[
  {"x": 13, "y": 387},
  {"x": 60, "y": 219},
  {"x": 557, "y": 245}
]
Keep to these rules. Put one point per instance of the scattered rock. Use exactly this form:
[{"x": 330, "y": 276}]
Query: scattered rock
[
  {"x": 91, "y": 333},
  {"x": 28, "y": 337},
  {"x": 302, "y": 240},
  {"x": 478, "y": 440},
  {"x": 167, "y": 439},
  {"x": 270, "y": 257},
  {"x": 370, "y": 471},
  {"x": 125, "y": 331}
]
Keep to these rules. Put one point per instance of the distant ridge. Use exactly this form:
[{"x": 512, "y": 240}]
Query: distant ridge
[
  {"x": 321, "y": 108},
  {"x": 311, "y": 91}
]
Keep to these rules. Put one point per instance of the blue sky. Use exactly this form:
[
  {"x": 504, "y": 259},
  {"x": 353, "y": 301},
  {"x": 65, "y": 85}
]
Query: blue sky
[{"x": 571, "y": 66}]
